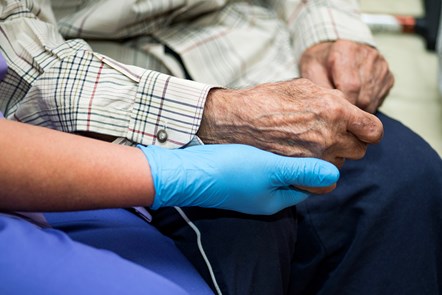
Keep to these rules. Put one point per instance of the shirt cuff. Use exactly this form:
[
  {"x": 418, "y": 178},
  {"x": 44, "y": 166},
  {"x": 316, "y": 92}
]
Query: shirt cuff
[
  {"x": 167, "y": 110},
  {"x": 320, "y": 24}
]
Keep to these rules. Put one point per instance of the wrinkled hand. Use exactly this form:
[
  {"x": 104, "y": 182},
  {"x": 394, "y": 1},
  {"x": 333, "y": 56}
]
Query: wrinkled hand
[
  {"x": 356, "y": 69},
  {"x": 234, "y": 177},
  {"x": 293, "y": 118}
]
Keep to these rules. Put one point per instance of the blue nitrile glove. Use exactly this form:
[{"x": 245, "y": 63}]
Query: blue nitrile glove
[{"x": 232, "y": 176}]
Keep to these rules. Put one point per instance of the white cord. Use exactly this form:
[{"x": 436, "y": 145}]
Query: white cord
[{"x": 200, "y": 247}]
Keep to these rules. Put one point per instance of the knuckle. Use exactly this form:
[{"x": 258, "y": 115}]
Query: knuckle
[
  {"x": 336, "y": 108},
  {"x": 351, "y": 85},
  {"x": 333, "y": 58},
  {"x": 304, "y": 82},
  {"x": 336, "y": 99},
  {"x": 337, "y": 92},
  {"x": 374, "y": 54},
  {"x": 380, "y": 58},
  {"x": 385, "y": 70},
  {"x": 364, "y": 103},
  {"x": 307, "y": 59}
]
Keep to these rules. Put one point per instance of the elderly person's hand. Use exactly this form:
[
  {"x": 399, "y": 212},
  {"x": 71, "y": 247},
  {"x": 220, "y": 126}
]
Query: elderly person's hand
[
  {"x": 292, "y": 118},
  {"x": 356, "y": 69}
]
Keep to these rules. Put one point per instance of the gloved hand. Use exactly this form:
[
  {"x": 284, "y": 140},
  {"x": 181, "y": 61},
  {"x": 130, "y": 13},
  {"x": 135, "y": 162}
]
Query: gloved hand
[{"x": 232, "y": 176}]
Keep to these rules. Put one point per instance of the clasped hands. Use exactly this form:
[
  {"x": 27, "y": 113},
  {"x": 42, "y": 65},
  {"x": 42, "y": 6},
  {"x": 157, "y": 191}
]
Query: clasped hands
[{"x": 326, "y": 116}]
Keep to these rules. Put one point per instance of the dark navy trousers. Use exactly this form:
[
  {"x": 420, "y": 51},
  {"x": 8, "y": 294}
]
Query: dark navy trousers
[{"x": 379, "y": 232}]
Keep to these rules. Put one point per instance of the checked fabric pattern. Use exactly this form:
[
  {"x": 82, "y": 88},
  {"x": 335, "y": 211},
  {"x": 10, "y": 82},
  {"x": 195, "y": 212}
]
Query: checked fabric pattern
[{"x": 130, "y": 68}]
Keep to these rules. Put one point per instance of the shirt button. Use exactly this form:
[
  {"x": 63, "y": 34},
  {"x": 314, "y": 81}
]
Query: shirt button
[{"x": 162, "y": 136}]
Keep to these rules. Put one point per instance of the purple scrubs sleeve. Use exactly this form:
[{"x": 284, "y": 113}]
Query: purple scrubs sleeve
[
  {"x": 3, "y": 67},
  {"x": 3, "y": 72}
]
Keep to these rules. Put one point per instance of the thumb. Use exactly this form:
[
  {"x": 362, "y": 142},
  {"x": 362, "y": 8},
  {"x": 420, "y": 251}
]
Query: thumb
[{"x": 308, "y": 172}]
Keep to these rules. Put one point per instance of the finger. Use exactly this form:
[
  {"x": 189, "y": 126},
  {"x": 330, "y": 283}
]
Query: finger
[
  {"x": 384, "y": 91},
  {"x": 334, "y": 159},
  {"x": 284, "y": 198},
  {"x": 317, "y": 73},
  {"x": 347, "y": 146},
  {"x": 345, "y": 74},
  {"x": 375, "y": 75},
  {"x": 317, "y": 190},
  {"x": 371, "y": 80},
  {"x": 337, "y": 161},
  {"x": 366, "y": 127},
  {"x": 307, "y": 172}
]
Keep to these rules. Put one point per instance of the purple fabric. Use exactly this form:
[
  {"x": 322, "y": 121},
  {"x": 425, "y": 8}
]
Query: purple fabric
[
  {"x": 46, "y": 261},
  {"x": 130, "y": 237},
  {"x": 3, "y": 71},
  {"x": 3, "y": 67}
]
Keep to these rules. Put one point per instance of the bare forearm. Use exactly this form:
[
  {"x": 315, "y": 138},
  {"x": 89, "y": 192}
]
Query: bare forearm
[{"x": 46, "y": 170}]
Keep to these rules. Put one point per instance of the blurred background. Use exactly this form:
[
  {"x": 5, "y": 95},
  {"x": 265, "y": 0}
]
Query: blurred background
[{"x": 415, "y": 99}]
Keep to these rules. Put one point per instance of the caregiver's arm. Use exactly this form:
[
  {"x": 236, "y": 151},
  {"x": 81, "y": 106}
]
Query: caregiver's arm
[{"x": 46, "y": 170}]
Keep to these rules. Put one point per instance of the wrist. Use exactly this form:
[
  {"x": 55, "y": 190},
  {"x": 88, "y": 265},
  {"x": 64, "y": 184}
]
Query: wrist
[
  {"x": 216, "y": 115},
  {"x": 147, "y": 167}
]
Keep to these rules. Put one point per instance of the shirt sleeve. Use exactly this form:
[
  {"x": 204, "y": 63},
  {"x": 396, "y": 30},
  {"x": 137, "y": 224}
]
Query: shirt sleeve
[
  {"x": 125, "y": 19},
  {"x": 314, "y": 21},
  {"x": 64, "y": 85}
]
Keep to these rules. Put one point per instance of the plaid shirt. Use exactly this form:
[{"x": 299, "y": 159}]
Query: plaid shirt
[{"x": 58, "y": 80}]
